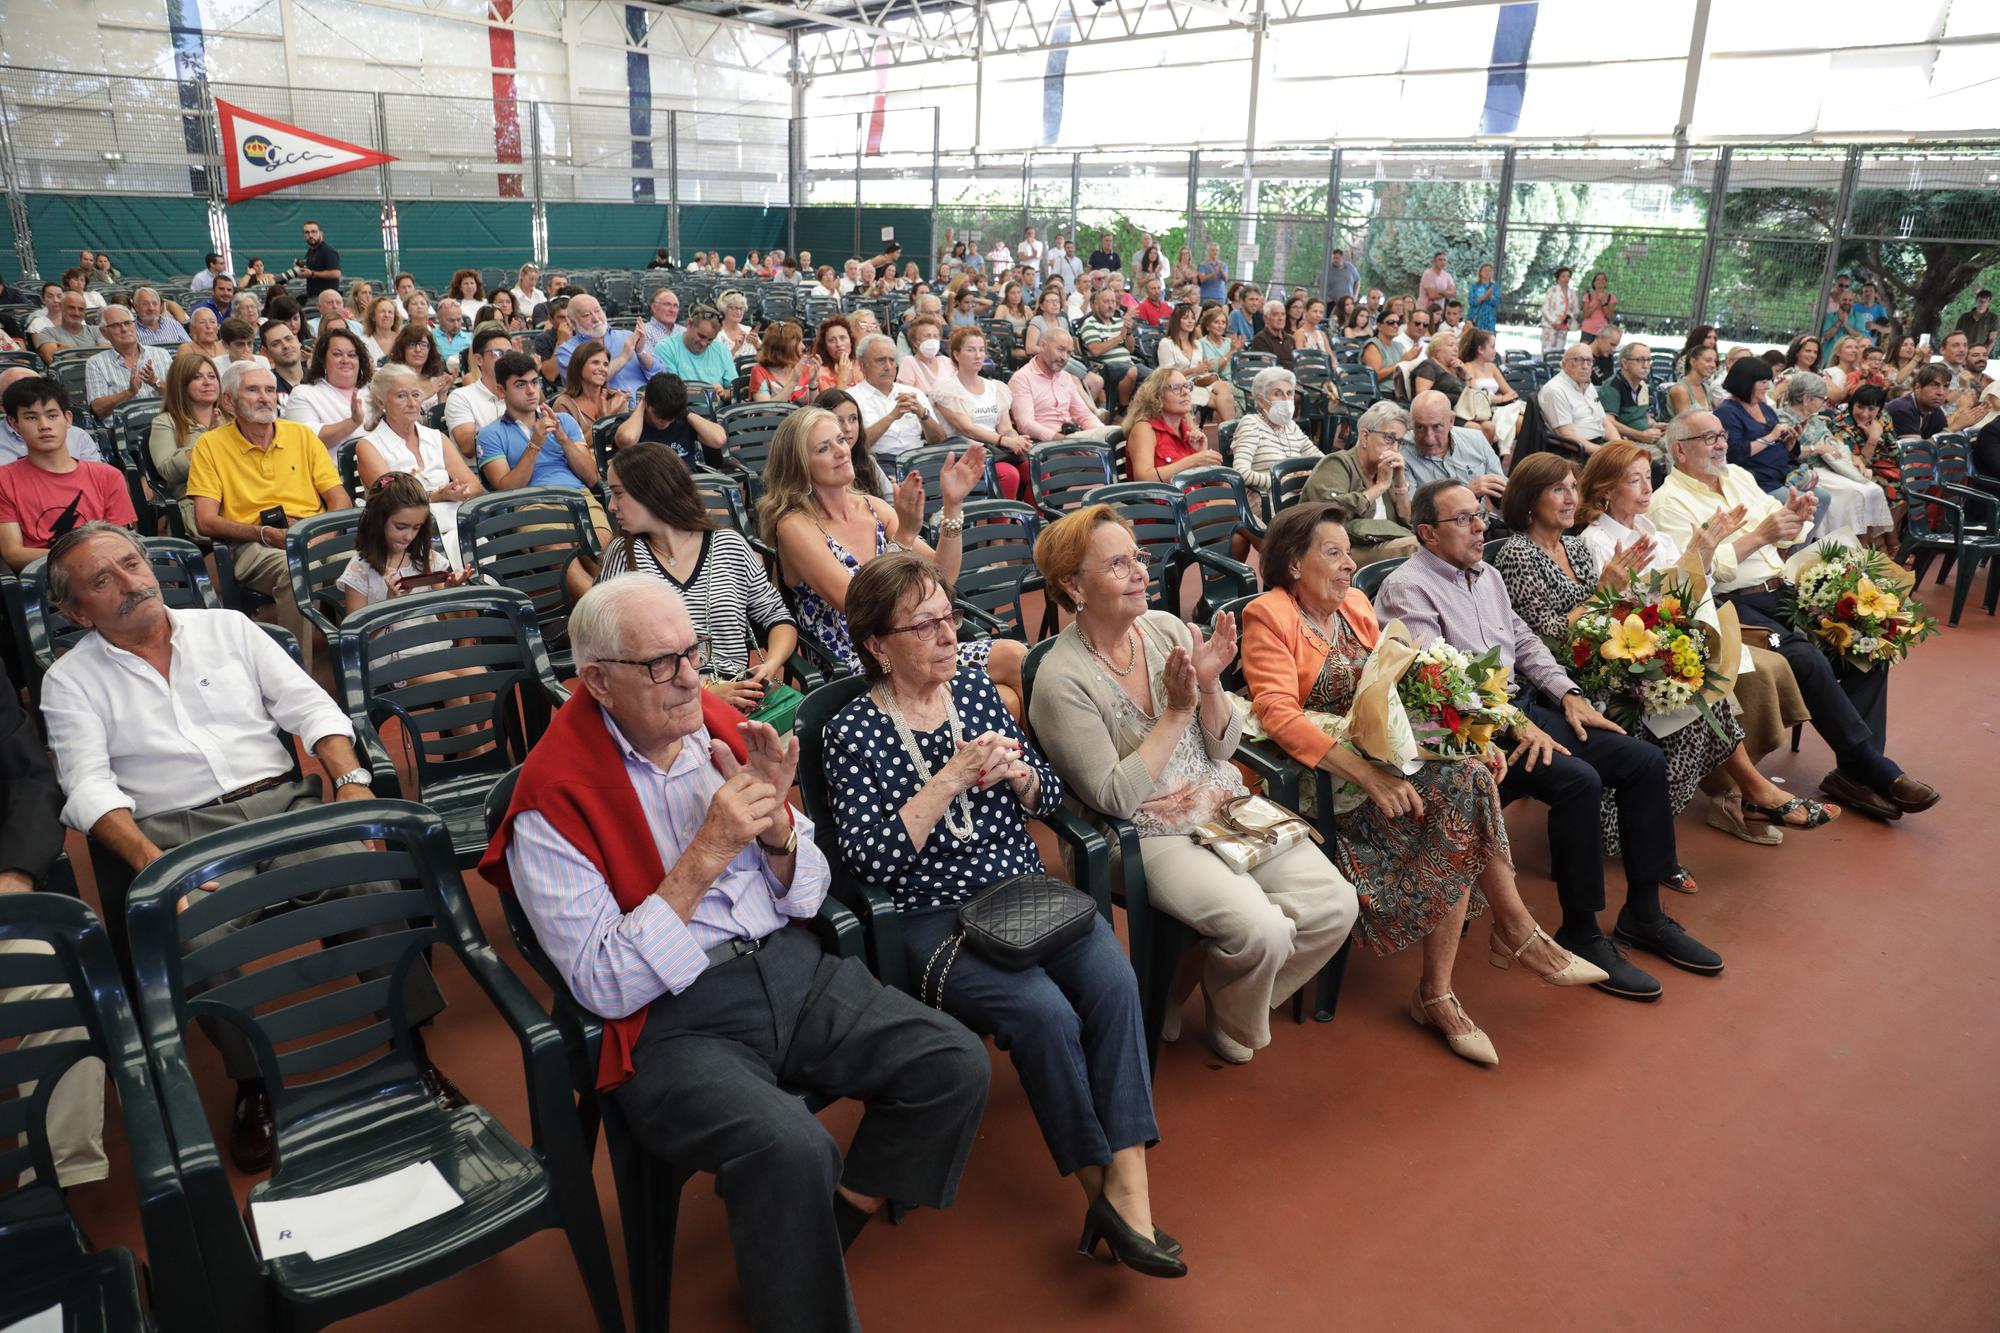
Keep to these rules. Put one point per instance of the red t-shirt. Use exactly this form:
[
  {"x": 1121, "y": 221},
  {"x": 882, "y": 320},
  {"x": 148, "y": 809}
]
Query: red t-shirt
[
  {"x": 36, "y": 499},
  {"x": 1153, "y": 312}
]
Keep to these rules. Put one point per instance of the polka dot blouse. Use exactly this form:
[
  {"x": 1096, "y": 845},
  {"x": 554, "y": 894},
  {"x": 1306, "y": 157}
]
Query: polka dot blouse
[{"x": 870, "y": 778}]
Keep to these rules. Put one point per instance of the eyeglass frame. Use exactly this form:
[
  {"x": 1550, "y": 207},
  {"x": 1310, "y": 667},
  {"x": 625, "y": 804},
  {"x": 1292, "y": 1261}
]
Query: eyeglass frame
[
  {"x": 702, "y": 645},
  {"x": 927, "y": 629},
  {"x": 1137, "y": 562},
  {"x": 1464, "y": 520}
]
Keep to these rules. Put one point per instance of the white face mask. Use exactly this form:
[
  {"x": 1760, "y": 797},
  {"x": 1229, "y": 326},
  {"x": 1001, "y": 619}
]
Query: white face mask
[
  {"x": 927, "y": 348},
  {"x": 1279, "y": 412}
]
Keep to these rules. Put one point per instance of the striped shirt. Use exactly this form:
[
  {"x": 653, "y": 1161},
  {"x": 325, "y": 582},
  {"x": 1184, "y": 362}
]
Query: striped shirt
[
  {"x": 618, "y": 962},
  {"x": 726, "y": 592}
]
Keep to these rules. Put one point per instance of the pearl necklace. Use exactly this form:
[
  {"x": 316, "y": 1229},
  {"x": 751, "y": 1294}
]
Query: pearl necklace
[
  {"x": 958, "y": 813},
  {"x": 1131, "y": 657}
]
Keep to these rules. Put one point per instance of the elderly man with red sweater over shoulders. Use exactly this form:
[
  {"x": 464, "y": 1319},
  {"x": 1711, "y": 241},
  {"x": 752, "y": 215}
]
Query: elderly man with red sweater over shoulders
[{"x": 712, "y": 1006}]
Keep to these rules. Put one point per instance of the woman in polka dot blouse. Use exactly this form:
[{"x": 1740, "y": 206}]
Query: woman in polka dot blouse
[{"x": 932, "y": 785}]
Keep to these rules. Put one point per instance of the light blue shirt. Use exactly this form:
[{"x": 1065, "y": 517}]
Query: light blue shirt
[
  {"x": 1470, "y": 456},
  {"x": 507, "y": 439},
  {"x": 714, "y": 365},
  {"x": 617, "y": 962},
  {"x": 631, "y": 376},
  {"x": 453, "y": 345}
]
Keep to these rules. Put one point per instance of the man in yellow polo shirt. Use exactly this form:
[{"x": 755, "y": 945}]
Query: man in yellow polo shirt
[{"x": 242, "y": 471}]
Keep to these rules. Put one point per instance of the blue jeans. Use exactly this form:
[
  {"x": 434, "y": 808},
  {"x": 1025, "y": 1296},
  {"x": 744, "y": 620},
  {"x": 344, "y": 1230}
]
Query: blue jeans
[{"x": 1071, "y": 1025}]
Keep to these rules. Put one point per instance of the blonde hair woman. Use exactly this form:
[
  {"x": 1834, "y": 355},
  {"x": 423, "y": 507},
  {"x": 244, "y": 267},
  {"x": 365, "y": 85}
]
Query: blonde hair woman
[{"x": 379, "y": 329}]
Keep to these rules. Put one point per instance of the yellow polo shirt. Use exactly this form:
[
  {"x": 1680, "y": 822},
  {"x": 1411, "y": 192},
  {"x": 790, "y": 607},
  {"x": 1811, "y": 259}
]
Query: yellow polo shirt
[{"x": 244, "y": 480}]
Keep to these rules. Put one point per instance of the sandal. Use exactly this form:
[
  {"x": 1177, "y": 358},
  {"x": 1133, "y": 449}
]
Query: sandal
[
  {"x": 1681, "y": 882},
  {"x": 1816, "y": 814},
  {"x": 1726, "y": 813}
]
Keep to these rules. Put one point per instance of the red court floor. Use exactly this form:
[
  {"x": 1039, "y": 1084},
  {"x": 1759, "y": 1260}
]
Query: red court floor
[{"x": 1808, "y": 1142}]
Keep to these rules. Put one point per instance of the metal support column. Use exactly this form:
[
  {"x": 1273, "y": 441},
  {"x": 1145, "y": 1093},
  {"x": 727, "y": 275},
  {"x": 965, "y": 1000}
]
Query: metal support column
[
  {"x": 218, "y": 180},
  {"x": 1501, "y": 217},
  {"x": 1076, "y": 200},
  {"x": 1027, "y": 192},
  {"x": 1193, "y": 205},
  {"x": 1718, "y": 189},
  {"x": 795, "y": 158},
  {"x": 1331, "y": 239},
  {"x": 392, "y": 257},
  {"x": 860, "y": 148},
  {"x": 17, "y": 199},
  {"x": 674, "y": 185},
  {"x": 1246, "y": 227},
  {"x": 538, "y": 211},
  {"x": 937, "y": 182},
  {"x": 1843, "y": 212}
]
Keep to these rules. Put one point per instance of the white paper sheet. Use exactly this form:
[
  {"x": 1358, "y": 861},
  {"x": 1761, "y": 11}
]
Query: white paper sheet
[
  {"x": 332, "y": 1223},
  {"x": 47, "y": 1321}
]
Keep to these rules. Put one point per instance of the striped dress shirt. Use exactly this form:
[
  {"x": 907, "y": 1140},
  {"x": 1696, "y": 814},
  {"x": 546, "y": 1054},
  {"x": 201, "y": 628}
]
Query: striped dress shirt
[{"x": 617, "y": 962}]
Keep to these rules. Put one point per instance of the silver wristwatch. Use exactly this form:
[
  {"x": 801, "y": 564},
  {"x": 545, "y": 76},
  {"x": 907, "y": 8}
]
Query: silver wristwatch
[{"x": 352, "y": 776}]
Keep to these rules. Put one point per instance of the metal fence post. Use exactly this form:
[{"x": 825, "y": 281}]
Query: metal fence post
[
  {"x": 391, "y": 240},
  {"x": 1194, "y": 201},
  {"x": 1076, "y": 199},
  {"x": 217, "y": 178},
  {"x": 1501, "y": 218},
  {"x": 1718, "y": 188},
  {"x": 937, "y": 179},
  {"x": 1843, "y": 211},
  {"x": 1027, "y": 191},
  {"x": 17, "y": 202},
  {"x": 674, "y": 185},
  {"x": 1332, "y": 237},
  {"x": 538, "y": 212},
  {"x": 794, "y": 183},
  {"x": 860, "y": 147}
]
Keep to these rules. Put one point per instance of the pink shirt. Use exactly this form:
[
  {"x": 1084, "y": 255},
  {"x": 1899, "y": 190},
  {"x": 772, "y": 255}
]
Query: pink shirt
[
  {"x": 35, "y": 499},
  {"x": 1435, "y": 287},
  {"x": 1044, "y": 403}
]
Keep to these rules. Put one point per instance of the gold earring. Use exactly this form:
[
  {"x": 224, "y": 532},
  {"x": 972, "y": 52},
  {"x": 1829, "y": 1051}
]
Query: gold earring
[{"x": 887, "y": 666}]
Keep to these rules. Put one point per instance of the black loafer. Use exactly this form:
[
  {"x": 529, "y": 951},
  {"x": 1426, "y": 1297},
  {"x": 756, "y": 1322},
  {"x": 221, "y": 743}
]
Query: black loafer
[
  {"x": 252, "y": 1138},
  {"x": 1622, "y": 978},
  {"x": 1663, "y": 936}
]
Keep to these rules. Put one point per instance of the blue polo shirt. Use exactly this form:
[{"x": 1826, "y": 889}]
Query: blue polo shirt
[
  {"x": 631, "y": 376},
  {"x": 713, "y": 366},
  {"x": 456, "y": 343},
  {"x": 506, "y": 440},
  {"x": 1239, "y": 324}
]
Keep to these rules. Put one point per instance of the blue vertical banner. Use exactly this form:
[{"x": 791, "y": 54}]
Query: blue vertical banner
[
  {"x": 639, "y": 84},
  {"x": 1507, "y": 72},
  {"x": 1052, "y": 83},
  {"x": 184, "y": 29}
]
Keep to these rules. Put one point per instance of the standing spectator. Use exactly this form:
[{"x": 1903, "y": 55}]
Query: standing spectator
[
  {"x": 1600, "y": 307},
  {"x": 320, "y": 264},
  {"x": 1876, "y": 318},
  {"x": 1029, "y": 253},
  {"x": 1104, "y": 259},
  {"x": 1981, "y": 323},
  {"x": 1064, "y": 265},
  {"x": 48, "y": 493},
  {"x": 1436, "y": 285},
  {"x": 250, "y": 466},
  {"x": 1343, "y": 279},
  {"x": 128, "y": 371},
  {"x": 1484, "y": 312},
  {"x": 1213, "y": 274},
  {"x": 1843, "y": 320},
  {"x": 1558, "y": 312}
]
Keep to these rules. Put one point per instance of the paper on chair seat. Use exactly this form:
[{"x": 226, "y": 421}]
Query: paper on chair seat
[
  {"x": 45, "y": 1321},
  {"x": 338, "y": 1220}
]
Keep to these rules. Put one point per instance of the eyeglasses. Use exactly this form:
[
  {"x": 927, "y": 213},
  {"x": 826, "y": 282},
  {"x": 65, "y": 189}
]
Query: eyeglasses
[
  {"x": 1475, "y": 519},
  {"x": 928, "y": 629},
  {"x": 1708, "y": 437},
  {"x": 1385, "y": 435},
  {"x": 1124, "y": 566},
  {"x": 668, "y": 665}
]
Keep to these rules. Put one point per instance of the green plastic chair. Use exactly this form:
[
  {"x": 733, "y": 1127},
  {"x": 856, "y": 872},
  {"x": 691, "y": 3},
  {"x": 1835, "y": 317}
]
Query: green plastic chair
[
  {"x": 373, "y": 1116},
  {"x": 45, "y": 1259}
]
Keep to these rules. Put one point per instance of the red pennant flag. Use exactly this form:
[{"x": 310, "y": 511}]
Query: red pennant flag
[{"x": 265, "y": 155}]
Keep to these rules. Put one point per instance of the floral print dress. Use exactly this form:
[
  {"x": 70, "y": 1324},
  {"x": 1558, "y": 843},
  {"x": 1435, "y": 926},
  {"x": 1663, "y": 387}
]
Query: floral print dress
[{"x": 828, "y": 626}]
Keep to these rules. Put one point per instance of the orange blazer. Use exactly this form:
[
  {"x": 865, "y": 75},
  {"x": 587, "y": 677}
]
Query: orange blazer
[{"x": 1281, "y": 662}]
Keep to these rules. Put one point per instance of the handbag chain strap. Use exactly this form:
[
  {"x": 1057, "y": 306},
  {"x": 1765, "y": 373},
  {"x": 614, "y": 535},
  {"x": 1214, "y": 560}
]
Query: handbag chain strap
[{"x": 954, "y": 941}]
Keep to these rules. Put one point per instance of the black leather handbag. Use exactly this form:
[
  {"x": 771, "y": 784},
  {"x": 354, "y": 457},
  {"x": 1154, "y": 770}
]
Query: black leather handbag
[{"x": 1013, "y": 924}]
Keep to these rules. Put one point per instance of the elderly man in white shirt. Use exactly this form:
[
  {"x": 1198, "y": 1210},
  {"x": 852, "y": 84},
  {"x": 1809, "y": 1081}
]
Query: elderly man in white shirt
[
  {"x": 1573, "y": 416},
  {"x": 1850, "y": 710},
  {"x": 895, "y": 418},
  {"x": 167, "y": 725}
]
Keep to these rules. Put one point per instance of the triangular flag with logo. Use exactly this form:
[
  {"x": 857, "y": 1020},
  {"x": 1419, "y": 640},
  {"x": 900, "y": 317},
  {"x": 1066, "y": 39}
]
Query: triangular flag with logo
[{"x": 265, "y": 155}]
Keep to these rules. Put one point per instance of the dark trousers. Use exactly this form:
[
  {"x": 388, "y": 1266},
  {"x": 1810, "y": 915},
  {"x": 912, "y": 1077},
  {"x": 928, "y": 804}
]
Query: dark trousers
[
  {"x": 1572, "y": 786},
  {"x": 705, "y": 1092},
  {"x": 1071, "y": 1024},
  {"x": 1850, "y": 709},
  {"x": 168, "y": 830}
]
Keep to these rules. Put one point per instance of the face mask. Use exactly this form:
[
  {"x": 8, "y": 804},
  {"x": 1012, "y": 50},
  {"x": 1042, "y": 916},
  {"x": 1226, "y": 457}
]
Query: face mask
[
  {"x": 1280, "y": 412},
  {"x": 927, "y": 348}
]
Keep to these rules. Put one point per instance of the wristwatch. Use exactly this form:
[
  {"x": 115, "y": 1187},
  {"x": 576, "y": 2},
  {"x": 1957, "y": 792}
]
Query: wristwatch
[
  {"x": 791, "y": 843},
  {"x": 354, "y": 776}
]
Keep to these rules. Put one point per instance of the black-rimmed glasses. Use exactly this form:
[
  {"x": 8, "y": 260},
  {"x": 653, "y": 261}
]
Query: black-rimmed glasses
[{"x": 668, "y": 665}]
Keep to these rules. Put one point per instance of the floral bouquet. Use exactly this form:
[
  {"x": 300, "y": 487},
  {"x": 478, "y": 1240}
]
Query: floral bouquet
[
  {"x": 1855, "y": 605},
  {"x": 1642, "y": 655},
  {"x": 1454, "y": 701}
]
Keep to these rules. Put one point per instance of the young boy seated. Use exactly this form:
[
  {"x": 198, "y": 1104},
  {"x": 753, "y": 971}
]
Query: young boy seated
[{"x": 47, "y": 492}]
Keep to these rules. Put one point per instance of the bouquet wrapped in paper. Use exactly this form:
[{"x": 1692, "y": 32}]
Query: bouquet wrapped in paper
[
  {"x": 1855, "y": 605},
  {"x": 1647, "y": 654}
]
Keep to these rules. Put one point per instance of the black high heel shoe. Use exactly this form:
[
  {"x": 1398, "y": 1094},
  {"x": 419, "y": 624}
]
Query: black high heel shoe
[{"x": 1138, "y": 1253}]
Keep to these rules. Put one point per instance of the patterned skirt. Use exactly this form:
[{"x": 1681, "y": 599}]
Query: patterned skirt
[
  {"x": 1411, "y": 872},
  {"x": 1693, "y": 753}
]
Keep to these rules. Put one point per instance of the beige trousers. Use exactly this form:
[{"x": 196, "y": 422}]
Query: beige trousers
[
  {"x": 1393, "y": 549},
  {"x": 75, "y": 1118},
  {"x": 1265, "y": 933},
  {"x": 266, "y": 569}
]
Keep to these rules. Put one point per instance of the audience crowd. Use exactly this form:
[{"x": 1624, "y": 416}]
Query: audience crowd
[{"x": 653, "y": 842}]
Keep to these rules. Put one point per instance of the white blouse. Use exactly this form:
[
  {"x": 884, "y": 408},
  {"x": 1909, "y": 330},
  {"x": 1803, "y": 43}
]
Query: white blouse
[
  {"x": 316, "y": 404},
  {"x": 428, "y": 466}
]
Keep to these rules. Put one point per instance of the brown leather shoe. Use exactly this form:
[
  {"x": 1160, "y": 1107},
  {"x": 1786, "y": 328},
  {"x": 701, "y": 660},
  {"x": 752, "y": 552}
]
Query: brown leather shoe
[
  {"x": 1912, "y": 796},
  {"x": 442, "y": 1090},
  {"x": 1857, "y": 797},
  {"x": 251, "y": 1136}
]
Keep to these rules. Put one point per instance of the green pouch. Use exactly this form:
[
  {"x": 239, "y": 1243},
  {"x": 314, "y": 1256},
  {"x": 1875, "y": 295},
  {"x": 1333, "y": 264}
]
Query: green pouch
[{"x": 780, "y": 708}]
